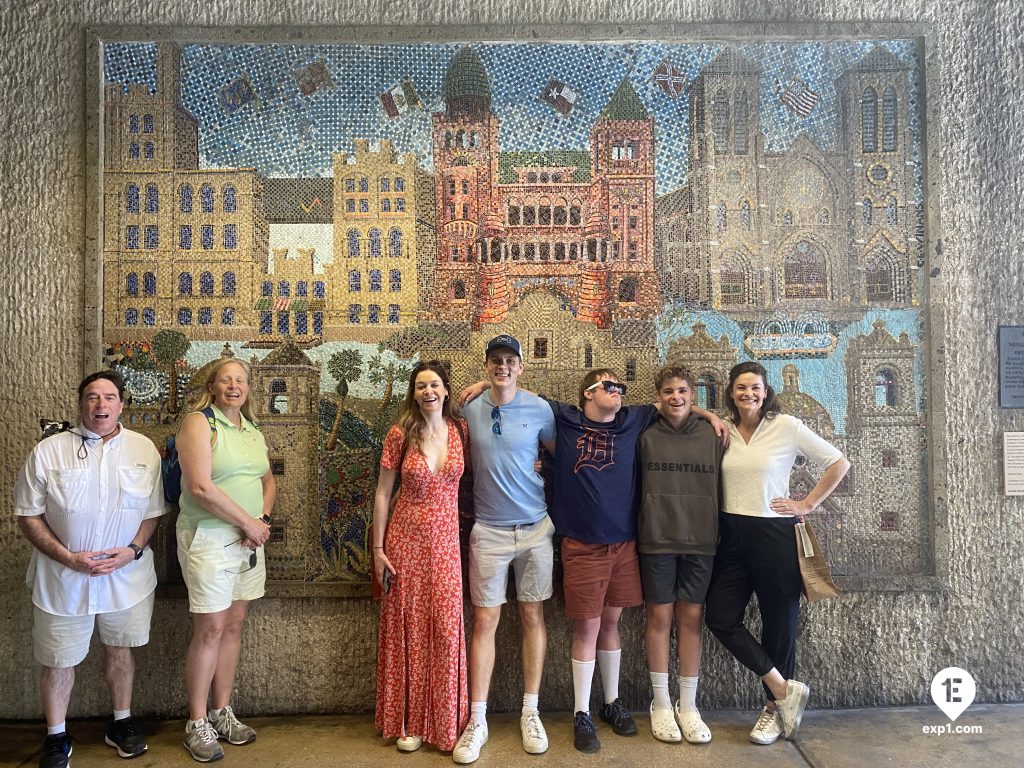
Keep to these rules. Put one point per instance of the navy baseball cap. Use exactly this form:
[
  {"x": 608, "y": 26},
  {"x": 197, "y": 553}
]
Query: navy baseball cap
[{"x": 504, "y": 342}]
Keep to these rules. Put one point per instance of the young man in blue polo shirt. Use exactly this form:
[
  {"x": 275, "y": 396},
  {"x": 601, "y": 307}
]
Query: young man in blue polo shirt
[{"x": 512, "y": 533}]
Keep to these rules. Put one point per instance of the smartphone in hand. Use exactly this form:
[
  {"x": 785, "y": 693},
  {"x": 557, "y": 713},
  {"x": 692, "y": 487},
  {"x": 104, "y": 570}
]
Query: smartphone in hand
[{"x": 386, "y": 585}]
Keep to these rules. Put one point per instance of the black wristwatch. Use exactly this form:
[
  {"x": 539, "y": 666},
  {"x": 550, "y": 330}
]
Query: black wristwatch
[{"x": 137, "y": 550}]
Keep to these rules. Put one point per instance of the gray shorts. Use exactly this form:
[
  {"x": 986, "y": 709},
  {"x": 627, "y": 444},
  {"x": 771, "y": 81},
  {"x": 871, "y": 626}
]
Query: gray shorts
[
  {"x": 526, "y": 549},
  {"x": 63, "y": 641},
  {"x": 668, "y": 578}
]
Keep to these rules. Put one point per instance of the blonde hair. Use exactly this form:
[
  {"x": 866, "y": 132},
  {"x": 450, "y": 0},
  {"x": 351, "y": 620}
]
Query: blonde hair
[{"x": 206, "y": 399}]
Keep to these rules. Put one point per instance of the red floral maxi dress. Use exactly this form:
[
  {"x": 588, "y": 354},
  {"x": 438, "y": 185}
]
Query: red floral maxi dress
[{"x": 421, "y": 655}]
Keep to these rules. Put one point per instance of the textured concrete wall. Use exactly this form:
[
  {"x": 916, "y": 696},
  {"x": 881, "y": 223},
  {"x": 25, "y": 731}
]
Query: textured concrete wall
[{"x": 316, "y": 655}]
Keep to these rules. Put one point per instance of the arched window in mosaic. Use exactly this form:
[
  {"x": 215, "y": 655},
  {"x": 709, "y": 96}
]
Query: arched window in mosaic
[
  {"x": 266, "y": 323},
  {"x": 152, "y": 237},
  {"x": 395, "y": 243},
  {"x": 375, "y": 243},
  {"x": 741, "y": 124},
  {"x": 355, "y": 281},
  {"x": 353, "y": 242},
  {"x": 824, "y": 217},
  {"x": 866, "y": 211},
  {"x": 185, "y": 198},
  {"x": 205, "y": 315},
  {"x": 721, "y": 126},
  {"x": 185, "y": 284},
  {"x": 184, "y": 316},
  {"x": 206, "y": 198},
  {"x": 133, "y": 123},
  {"x": 364, "y": 184},
  {"x": 575, "y": 216},
  {"x": 148, "y": 150},
  {"x": 373, "y": 314},
  {"x": 350, "y": 184},
  {"x": 301, "y": 288},
  {"x": 869, "y": 120},
  {"x": 458, "y": 290},
  {"x": 733, "y": 282},
  {"x": 148, "y": 316},
  {"x": 805, "y": 272},
  {"x": 393, "y": 313},
  {"x": 787, "y": 218},
  {"x": 514, "y": 216},
  {"x": 131, "y": 198},
  {"x": 399, "y": 184},
  {"x": 354, "y": 313},
  {"x": 278, "y": 396},
  {"x": 745, "y": 218},
  {"x": 206, "y": 284},
  {"x": 267, "y": 288},
  {"x": 559, "y": 212},
  {"x": 227, "y": 284},
  {"x": 149, "y": 284},
  {"x": 889, "y": 120},
  {"x": 131, "y": 237},
  {"x": 206, "y": 236},
  {"x": 284, "y": 288},
  {"x": 133, "y": 150},
  {"x": 147, "y": 123},
  {"x": 885, "y": 388},
  {"x": 544, "y": 212},
  {"x": 131, "y": 287},
  {"x": 708, "y": 388},
  {"x": 880, "y": 277},
  {"x": 627, "y": 290},
  {"x": 131, "y": 316},
  {"x": 375, "y": 280},
  {"x": 395, "y": 280},
  {"x": 384, "y": 183},
  {"x": 185, "y": 237},
  {"x": 230, "y": 199},
  {"x": 588, "y": 355},
  {"x": 891, "y": 212},
  {"x": 319, "y": 289},
  {"x": 152, "y": 199},
  {"x": 227, "y": 316}
]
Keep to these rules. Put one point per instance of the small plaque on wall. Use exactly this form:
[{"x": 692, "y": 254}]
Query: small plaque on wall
[
  {"x": 1013, "y": 463},
  {"x": 1011, "y": 366}
]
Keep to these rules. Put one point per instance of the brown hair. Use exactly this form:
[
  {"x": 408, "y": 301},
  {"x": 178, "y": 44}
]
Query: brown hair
[
  {"x": 770, "y": 407},
  {"x": 410, "y": 420},
  {"x": 592, "y": 377},
  {"x": 206, "y": 400},
  {"x": 672, "y": 371}
]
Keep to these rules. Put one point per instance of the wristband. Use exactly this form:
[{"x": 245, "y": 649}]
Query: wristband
[{"x": 136, "y": 549}]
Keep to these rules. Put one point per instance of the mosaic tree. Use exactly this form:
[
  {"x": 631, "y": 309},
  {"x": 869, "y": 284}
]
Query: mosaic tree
[
  {"x": 345, "y": 366},
  {"x": 169, "y": 347}
]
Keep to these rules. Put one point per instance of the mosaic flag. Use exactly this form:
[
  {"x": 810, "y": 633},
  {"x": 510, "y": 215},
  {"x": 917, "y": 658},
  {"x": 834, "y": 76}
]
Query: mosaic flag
[
  {"x": 399, "y": 99},
  {"x": 799, "y": 98},
  {"x": 560, "y": 96},
  {"x": 237, "y": 94},
  {"x": 669, "y": 79},
  {"x": 314, "y": 77}
]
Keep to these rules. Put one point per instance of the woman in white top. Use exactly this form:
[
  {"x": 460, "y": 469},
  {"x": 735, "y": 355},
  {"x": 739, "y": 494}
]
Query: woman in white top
[{"x": 757, "y": 549}]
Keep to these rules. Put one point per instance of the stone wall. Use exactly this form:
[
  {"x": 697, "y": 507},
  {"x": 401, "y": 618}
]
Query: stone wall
[{"x": 317, "y": 655}]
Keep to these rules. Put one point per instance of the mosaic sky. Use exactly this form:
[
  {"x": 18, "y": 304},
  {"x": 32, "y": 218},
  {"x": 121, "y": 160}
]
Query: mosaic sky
[{"x": 284, "y": 133}]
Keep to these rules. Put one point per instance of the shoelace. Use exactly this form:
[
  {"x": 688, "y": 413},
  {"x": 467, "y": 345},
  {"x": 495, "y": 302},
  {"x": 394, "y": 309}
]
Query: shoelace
[
  {"x": 766, "y": 719},
  {"x": 229, "y": 715},
  {"x": 469, "y": 735},
  {"x": 618, "y": 711},
  {"x": 207, "y": 733},
  {"x": 584, "y": 722},
  {"x": 533, "y": 725}
]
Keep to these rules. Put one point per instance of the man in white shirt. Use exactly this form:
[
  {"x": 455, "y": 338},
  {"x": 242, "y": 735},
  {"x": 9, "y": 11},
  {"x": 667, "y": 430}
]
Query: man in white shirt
[{"x": 88, "y": 500}]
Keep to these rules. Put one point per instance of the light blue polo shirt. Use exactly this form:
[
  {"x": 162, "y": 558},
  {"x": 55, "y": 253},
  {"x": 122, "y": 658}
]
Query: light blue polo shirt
[{"x": 507, "y": 490}]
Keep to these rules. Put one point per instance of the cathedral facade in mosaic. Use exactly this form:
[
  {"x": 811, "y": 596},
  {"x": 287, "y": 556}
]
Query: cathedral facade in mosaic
[{"x": 333, "y": 213}]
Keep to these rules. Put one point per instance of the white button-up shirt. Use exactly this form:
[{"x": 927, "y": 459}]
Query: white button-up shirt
[{"x": 92, "y": 503}]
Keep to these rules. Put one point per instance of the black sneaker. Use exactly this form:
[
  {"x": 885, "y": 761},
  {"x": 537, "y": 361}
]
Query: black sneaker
[
  {"x": 121, "y": 735},
  {"x": 584, "y": 734},
  {"x": 56, "y": 751},
  {"x": 618, "y": 717}
]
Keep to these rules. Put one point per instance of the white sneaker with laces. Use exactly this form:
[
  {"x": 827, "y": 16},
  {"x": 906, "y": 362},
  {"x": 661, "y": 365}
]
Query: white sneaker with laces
[
  {"x": 535, "y": 738},
  {"x": 467, "y": 750},
  {"x": 792, "y": 707},
  {"x": 767, "y": 729},
  {"x": 664, "y": 726}
]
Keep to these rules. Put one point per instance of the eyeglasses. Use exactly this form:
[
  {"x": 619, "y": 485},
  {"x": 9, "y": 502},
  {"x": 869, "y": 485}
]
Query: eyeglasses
[
  {"x": 496, "y": 418},
  {"x": 607, "y": 386},
  {"x": 251, "y": 561}
]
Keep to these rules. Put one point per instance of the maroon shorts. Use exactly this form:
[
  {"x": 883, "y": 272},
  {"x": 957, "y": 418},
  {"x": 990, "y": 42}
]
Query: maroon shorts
[{"x": 596, "y": 576}]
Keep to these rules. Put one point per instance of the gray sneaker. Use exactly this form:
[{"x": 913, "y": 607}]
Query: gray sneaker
[
  {"x": 230, "y": 729},
  {"x": 201, "y": 741}
]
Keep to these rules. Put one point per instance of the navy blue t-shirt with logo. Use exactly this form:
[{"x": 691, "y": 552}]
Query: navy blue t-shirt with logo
[{"x": 595, "y": 480}]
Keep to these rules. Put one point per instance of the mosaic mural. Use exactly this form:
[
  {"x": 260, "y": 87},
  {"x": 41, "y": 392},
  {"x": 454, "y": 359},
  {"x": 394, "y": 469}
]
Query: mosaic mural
[{"x": 333, "y": 213}]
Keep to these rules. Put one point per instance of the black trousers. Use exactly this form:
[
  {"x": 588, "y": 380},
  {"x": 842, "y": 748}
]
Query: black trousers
[{"x": 756, "y": 555}]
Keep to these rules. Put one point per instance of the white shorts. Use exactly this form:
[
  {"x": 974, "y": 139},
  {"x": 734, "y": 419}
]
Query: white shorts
[
  {"x": 218, "y": 570},
  {"x": 527, "y": 549},
  {"x": 63, "y": 641}
]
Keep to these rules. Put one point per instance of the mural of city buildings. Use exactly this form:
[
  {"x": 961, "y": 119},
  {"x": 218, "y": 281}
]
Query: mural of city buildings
[{"x": 335, "y": 213}]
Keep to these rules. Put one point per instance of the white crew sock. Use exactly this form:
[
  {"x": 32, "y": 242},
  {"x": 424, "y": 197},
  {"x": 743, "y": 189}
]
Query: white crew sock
[
  {"x": 530, "y": 701},
  {"x": 582, "y": 679},
  {"x": 687, "y": 694},
  {"x": 60, "y": 727},
  {"x": 478, "y": 712},
  {"x": 659, "y": 684},
  {"x": 609, "y": 662},
  {"x": 121, "y": 714}
]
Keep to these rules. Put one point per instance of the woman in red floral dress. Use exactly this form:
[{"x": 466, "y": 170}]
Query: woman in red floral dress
[{"x": 421, "y": 657}]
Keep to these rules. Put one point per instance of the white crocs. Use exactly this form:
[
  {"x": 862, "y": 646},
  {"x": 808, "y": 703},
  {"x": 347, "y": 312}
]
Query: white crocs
[
  {"x": 694, "y": 729},
  {"x": 663, "y": 726}
]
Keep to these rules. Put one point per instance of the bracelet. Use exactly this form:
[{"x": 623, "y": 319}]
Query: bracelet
[{"x": 380, "y": 547}]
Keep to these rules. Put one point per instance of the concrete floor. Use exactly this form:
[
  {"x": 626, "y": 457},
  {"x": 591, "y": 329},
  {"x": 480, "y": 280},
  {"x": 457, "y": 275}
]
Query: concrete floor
[{"x": 827, "y": 739}]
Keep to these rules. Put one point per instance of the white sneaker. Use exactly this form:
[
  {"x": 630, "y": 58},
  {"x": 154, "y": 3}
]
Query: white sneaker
[
  {"x": 467, "y": 750},
  {"x": 663, "y": 726},
  {"x": 409, "y": 743},
  {"x": 535, "y": 738},
  {"x": 767, "y": 729},
  {"x": 694, "y": 729},
  {"x": 792, "y": 707}
]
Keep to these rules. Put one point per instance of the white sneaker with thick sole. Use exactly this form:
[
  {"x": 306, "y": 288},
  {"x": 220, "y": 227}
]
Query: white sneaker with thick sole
[
  {"x": 664, "y": 726},
  {"x": 467, "y": 749},
  {"x": 767, "y": 729},
  {"x": 694, "y": 729},
  {"x": 409, "y": 743},
  {"x": 535, "y": 738},
  {"x": 792, "y": 707}
]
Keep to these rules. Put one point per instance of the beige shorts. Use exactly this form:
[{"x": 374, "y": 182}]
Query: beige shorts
[
  {"x": 526, "y": 549},
  {"x": 218, "y": 570},
  {"x": 63, "y": 641}
]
